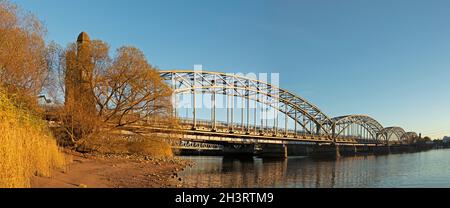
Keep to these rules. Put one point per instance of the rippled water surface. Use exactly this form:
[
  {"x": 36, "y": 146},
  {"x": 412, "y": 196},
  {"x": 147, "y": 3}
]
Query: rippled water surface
[{"x": 423, "y": 169}]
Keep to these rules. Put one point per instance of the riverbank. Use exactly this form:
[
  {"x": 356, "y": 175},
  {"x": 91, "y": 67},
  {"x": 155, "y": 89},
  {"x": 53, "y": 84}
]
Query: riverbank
[{"x": 115, "y": 171}]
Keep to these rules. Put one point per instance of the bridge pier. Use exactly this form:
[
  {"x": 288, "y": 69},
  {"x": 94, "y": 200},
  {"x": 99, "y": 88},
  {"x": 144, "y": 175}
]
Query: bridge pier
[
  {"x": 327, "y": 151},
  {"x": 349, "y": 150},
  {"x": 338, "y": 150},
  {"x": 364, "y": 149},
  {"x": 380, "y": 150},
  {"x": 273, "y": 151},
  {"x": 300, "y": 149},
  {"x": 239, "y": 150}
]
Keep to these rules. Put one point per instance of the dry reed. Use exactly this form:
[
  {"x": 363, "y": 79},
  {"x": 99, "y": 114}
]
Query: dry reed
[{"x": 27, "y": 147}]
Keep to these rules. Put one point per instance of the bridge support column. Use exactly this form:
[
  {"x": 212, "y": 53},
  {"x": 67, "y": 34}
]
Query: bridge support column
[
  {"x": 381, "y": 149},
  {"x": 194, "y": 110},
  {"x": 338, "y": 150},
  {"x": 327, "y": 151},
  {"x": 295, "y": 125},
  {"x": 239, "y": 150},
  {"x": 300, "y": 150},
  {"x": 273, "y": 151},
  {"x": 213, "y": 112},
  {"x": 348, "y": 150}
]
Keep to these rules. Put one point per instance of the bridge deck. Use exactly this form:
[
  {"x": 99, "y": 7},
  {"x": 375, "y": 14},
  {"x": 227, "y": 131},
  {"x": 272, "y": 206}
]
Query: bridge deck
[{"x": 222, "y": 136}]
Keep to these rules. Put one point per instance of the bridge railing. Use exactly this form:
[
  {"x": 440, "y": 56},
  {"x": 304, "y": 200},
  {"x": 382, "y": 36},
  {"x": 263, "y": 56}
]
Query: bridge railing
[
  {"x": 179, "y": 144},
  {"x": 240, "y": 128}
]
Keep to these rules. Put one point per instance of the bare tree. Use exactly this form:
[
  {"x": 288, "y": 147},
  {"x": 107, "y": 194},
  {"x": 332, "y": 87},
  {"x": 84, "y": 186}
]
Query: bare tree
[
  {"x": 23, "y": 64},
  {"x": 125, "y": 89},
  {"x": 131, "y": 90}
]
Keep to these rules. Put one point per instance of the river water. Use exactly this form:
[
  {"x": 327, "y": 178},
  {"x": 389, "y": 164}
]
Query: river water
[{"x": 422, "y": 169}]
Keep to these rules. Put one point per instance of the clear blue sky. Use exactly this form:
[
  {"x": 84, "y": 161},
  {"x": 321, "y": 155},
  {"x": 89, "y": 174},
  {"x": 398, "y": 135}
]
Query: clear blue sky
[{"x": 386, "y": 58}]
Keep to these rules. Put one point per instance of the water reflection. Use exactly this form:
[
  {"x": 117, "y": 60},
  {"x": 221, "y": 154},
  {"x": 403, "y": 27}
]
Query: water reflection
[{"x": 426, "y": 169}]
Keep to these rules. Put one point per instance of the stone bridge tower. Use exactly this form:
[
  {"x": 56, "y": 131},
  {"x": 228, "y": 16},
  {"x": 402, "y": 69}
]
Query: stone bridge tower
[{"x": 79, "y": 69}]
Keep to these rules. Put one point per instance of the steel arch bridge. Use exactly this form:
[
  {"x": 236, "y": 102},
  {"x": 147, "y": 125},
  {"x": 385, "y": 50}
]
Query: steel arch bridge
[
  {"x": 303, "y": 121},
  {"x": 365, "y": 126},
  {"x": 409, "y": 137}
]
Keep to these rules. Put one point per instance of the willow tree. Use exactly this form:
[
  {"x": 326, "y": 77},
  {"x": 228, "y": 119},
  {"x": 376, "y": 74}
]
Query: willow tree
[{"x": 131, "y": 91}]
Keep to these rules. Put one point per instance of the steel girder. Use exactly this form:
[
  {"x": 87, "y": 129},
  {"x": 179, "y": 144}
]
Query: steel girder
[
  {"x": 409, "y": 136},
  {"x": 310, "y": 117},
  {"x": 371, "y": 125},
  {"x": 391, "y": 131},
  {"x": 307, "y": 115}
]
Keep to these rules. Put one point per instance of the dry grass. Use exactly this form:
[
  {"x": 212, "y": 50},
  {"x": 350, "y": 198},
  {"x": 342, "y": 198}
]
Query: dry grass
[
  {"x": 27, "y": 147},
  {"x": 117, "y": 143}
]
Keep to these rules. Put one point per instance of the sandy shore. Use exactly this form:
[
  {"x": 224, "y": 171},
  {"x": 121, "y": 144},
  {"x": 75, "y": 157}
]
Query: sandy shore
[{"x": 91, "y": 171}]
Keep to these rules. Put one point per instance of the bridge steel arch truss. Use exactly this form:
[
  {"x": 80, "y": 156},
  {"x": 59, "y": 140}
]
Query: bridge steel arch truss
[
  {"x": 409, "y": 137},
  {"x": 363, "y": 125},
  {"x": 396, "y": 131},
  {"x": 304, "y": 114}
]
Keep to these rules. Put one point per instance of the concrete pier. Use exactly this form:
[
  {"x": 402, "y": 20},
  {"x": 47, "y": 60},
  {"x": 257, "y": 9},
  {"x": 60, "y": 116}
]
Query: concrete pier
[
  {"x": 382, "y": 150},
  {"x": 273, "y": 151},
  {"x": 239, "y": 150},
  {"x": 349, "y": 150},
  {"x": 300, "y": 149},
  {"x": 326, "y": 151},
  {"x": 280, "y": 151}
]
